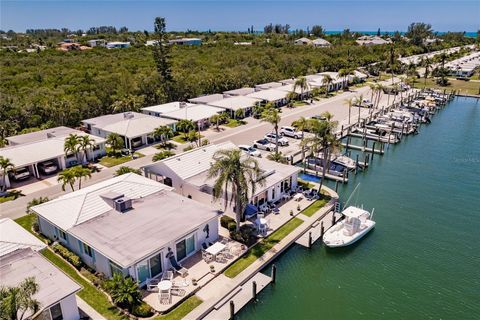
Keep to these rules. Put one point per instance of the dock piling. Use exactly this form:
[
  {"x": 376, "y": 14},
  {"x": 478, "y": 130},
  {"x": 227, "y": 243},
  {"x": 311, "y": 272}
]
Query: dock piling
[
  {"x": 274, "y": 273},
  {"x": 254, "y": 290},
  {"x": 322, "y": 229},
  {"x": 309, "y": 239},
  {"x": 232, "y": 310},
  {"x": 336, "y": 186}
]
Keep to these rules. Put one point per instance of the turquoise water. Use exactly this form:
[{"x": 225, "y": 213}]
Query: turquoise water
[{"x": 423, "y": 259}]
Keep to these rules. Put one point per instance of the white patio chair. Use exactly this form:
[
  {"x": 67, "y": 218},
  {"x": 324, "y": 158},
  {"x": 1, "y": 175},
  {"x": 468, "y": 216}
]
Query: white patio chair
[
  {"x": 152, "y": 285},
  {"x": 165, "y": 297},
  {"x": 181, "y": 283},
  {"x": 207, "y": 257},
  {"x": 167, "y": 275},
  {"x": 220, "y": 258},
  {"x": 178, "y": 292}
]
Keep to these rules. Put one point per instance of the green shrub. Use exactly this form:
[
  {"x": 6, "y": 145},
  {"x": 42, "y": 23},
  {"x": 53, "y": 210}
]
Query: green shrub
[
  {"x": 225, "y": 220},
  {"x": 246, "y": 235},
  {"x": 232, "y": 226},
  {"x": 142, "y": 310},
  {"x": 72, "y": 258}
]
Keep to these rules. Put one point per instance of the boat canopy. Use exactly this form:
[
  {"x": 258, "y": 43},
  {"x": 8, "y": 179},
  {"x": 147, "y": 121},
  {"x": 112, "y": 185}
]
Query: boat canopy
[{"x": 354, "y": 212}]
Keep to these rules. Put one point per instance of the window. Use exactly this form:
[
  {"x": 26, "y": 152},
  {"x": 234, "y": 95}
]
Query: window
[
  {"x": 142, "y": 271},
  {"x": 62, "y": 234},
  {"x": 155, "y": 263},
  {"x": 115, "y": 268},
  {"x": 185, "y": 247},
  {"x": 87, "y": 250},
  {"x": 56, "y": 312}
]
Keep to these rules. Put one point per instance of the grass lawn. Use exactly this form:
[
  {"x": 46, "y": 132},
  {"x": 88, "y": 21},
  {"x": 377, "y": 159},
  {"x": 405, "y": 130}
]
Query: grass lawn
[
  {"x": 470, "y": 87},
  {"x": 180, "y": 138},
  {"x": 111, "y": 161},
  {"x": 182, "y": 310},
  {"x": 299, "y": 103},
  {"x": 315, "y": 206},
  {"x": 232, "y": 123},
  {"x": 11, "y": 195},
  {"x": 260, "y": 248},
  {"x": 96, "y": 299},
  {"x": 304, "y": 184}
]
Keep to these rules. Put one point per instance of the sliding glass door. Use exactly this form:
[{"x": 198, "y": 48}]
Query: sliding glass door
[
  {"x": 149, "y": 268},
  {"x": 185, "y": 247}
]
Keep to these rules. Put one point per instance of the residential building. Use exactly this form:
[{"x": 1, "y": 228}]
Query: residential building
[
  {"x": 321, "y": 43},
  {"x": 268, "y": 85},
  {"x": 186, "y": 41},
  {"x": 32, "y": 150},
  {"x": 118, "y": 45},
  {"x": 71, "y": 46},
  {"x": 128, "y": 224},
  {"x": 20, "y": 259},
  {"x": 135, "y": 128},
  {"x": 277, "y": 97},
  {"x": 303, "y": 42},
  {"x": 372, "y": 41},
  {"x": 238, "y": 92},
  {"x": 97, "y": 43},
  {"x": 188, "y": 174},
  {"x": 235, "y": 103},
  {"x": 150, "y": 43},
  {"x": 206, "y": 99},
  {"x": 289, "y": 88}
]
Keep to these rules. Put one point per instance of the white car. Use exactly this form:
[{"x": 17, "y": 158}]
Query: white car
[
  {"x": 263, "y": 144},
  {"x": 47, "y": 167},
  {"x": 251, "y": 151},
  {"x": 272, "y": 137},
  {"x": 291, "y": 132},
  {"x": 21, "y": 174}
]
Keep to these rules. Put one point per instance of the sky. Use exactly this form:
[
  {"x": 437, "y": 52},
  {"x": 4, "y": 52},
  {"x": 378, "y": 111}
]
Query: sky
[{"x": 235, "y": 15}]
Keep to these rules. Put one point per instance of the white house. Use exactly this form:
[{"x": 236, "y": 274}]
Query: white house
[
  {"x": 321, "y": 43},
  {"x": 235, "y": 103},
  {"x": 276, "y": 97},
  {"x": 372, "y": 41},
  {"x": 118, "y": 45},
  {"x": 239, "y": 92},
  {"x": 97, "y": 43},
  {"x": 268, "y": 85},
  {"x": 128, "y": 224},
  {"x": 206, "y": 99},
  {"x": 20, "y": 259},
  {"x": 188, "y": 174},
  {"x": 303, "y": 42},
  {"x": 32, "y": 150},
  {"x": 135, "y": 128}
]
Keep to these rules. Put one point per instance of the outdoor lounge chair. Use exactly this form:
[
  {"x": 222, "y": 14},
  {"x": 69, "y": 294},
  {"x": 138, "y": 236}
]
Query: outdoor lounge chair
[
  {"x": 167, "y": 275},
  {"x": 177, "y": 267},
  {"x": 165, "y": 297},
  {"x": 207, "y": 257},
  {"x": 152, "y": 285}
]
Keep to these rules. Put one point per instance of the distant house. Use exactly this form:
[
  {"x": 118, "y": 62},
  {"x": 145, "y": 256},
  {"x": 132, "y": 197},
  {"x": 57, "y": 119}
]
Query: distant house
[
  {"x": 135, "y": 128},
  {"x": 118, "y": 45},
  {"x": 372, "y": 41},
  {"x": 97, "y": 43},
  {"x": 206, "y": 98},
  {"x": 71, "y": 46},
  {"x": 31, "y": 150},
  {"x": 129, "y": 225},
  {"x": 20, "y": 259},
  {"x": 239, "y": 92},
  {"x": 235, "y": 103},
  {"x": 303, "y": 42},
  {"x": 268, "y": 85},
  {"x": 244, "y": 43},
  {"x": 188, "y": 174},
  {"x": 429, "y": 41},
  {"x": 151, "y": 43},
  {"x": 277, "y": 97},
  {"x": 321, "y": 43},
  {"x": 186, "y": 41}
]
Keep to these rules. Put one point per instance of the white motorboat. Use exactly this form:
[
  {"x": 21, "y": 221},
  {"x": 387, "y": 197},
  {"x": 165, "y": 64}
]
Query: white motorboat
[{"x": 356, "y": 224}]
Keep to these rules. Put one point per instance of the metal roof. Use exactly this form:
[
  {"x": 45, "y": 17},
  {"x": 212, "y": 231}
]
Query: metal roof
[
  {"x": 269, "y": 95},
  {"x": 239, "y": 92},
  {"x": 14, "y": 237},
  {"x": 41, "y": 135},
  {"x": 235, "y": 103},
  {"x": 207, "y": 98},
  {"x": 167, "y": 107},
  {"x": 194, "y": 112}
]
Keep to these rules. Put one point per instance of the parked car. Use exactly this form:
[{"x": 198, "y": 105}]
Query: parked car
[
  {"x": 263, "y": 144},
  {"x": 47, "y": 167},
  {"x": 291, "y": 132},
  {"x": 250, "y": 150},
  {"x": 272, "y": 137},
  {"x": 367, "y": 103},
  {"x": 21, "y": 174},
  {"x": 318, "y": 117}
]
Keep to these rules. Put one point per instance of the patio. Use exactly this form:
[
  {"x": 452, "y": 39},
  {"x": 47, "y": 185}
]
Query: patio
[{"x": 198, "y": 270}]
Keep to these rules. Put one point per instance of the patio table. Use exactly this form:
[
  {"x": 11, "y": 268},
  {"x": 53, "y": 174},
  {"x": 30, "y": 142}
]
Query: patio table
[
  {"x": 216, "y": 248},
  {"x": 298, "y": 197},
  {"x": 164, "y": 285}
]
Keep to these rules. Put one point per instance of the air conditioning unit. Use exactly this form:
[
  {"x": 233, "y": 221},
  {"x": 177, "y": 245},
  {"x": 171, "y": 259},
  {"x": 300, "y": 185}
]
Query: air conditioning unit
[{"x": 123, "y": 204}]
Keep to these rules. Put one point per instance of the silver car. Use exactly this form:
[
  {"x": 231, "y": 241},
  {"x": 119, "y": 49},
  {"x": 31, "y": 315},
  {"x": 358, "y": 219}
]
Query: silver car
[
  {"x": 272, "y": 137},
  {"x": 263, "y": 144},
  {"x": 250, "y": 150}
]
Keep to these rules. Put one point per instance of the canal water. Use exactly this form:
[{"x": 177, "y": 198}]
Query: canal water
[{"x": 423, "y": 259}]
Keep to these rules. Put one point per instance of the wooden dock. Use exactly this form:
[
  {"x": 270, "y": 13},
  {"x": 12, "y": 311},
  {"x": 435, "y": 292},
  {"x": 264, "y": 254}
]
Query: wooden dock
[
  {"x": 373, "y": 138},
  {"x": 316, "y": 229},
  {"x": 240, "y": 297},
  {"x": 327, "y": 176},
  {"x": 362, "y": 148}
]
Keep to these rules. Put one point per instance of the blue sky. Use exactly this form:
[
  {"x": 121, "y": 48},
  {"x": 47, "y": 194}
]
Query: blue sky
[{"x": 389, "y": 15}]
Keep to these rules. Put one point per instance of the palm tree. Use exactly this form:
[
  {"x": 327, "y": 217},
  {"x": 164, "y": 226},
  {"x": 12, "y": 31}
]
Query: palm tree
[
  {"x": 291, "y": 96},
  {"x": 72, "y": 145},
  {"x": 163, "y": 133},
  {"x": 67, "y": 176},
  {"x": 326, "y": 81},
  {"x": 302, "y": 84},
  {"x": 272, "y": 116},
  {"x": 193, "y": 136},
  {"x": 17, "y": 301},
  {"x": 123, "y": 291},
  {"x": 6, "y": 166},
  {"x": 163, "y": 155},
  {"x": 115, "y": 141},
  {"x": 358, "y": 102},
  {"x": 349, "y": 104},
  {"x": 185, "y": 125},
  {"x": 125, "y": 169},
  {"x": 236, "y": 179},
  {"x": 302, "y": 124},
  {"x": 215, "y": 119},
  {"x": 86, "y": 143},
  {"x": 427, "y": 64},
  {"x": 344, "y": 73},
  {"x": 80, "y": 173}
]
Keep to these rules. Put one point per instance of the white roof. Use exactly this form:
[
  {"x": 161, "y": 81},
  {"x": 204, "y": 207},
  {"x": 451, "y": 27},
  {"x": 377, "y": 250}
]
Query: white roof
[
  {"x": 269, "y": 95},
  {"x": 194, "y": 112},
  {"x": 321, "y": 42},
  {"x": 239, "y": 92},
  {"x": 14, "y": 237},
  {"x": 167, "y": 107},
  {"x": 235, "y": 103},
  {"x": 354, "y": 212},
  {"x": 85, "y": 204},
  {"x": 303, "y": 40},
  {"x": 41, "y": 135},
  {"x": 41, "y": 150},
  {"x": 289, "y": 88},
  {"x": 129, "y": 124},
  {"x": 268, "y": 85},
  {"x": 207, "y": 98}
]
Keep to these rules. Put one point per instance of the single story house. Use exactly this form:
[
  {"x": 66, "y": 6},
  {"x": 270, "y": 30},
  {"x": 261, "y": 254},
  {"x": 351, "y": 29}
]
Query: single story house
[
  {"x": 206, "y": 99},
  {"x": 337, "y": 83},
  {"x": 97, "y": 43},
  {"x": 359, "y": 75},
  {"x": 186, "y": 41},
  {"x": 160, "y": 109},
  {"x": 20, "y": 259},
  {"x": 287, "y": 81},
  {"x": 32, "y": 149},
  {"x": 277, "y": 97},
  {"x": 303, "y": 42},
  {"x": 188, "y": 174},
  {"x": 268, "y": 85},
  {"x": 200, "y": 114},
  {"x": 128, "y": 224},
  {"x": 321, "y": 43},
  {"x": 289, "y": 88},
  {"x": 118, "y": 45},
  {"x": 372, "y": 41},
  {"x": 135, "y": 128},
  {"x": 232, "y": 104},
  {"x": 239, "y": 92}
]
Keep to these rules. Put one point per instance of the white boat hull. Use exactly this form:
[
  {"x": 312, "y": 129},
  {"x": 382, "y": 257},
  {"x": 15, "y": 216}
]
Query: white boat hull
[{"x": 334, "y": 236}]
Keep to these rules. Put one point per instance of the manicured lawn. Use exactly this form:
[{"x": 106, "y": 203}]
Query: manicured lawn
[
  {"x": 232, "y": 123},
  {"x": 179, "y": 138},
  {"x": 260, "y": 248},
  {"x": 470, "y": 87},
  {"x": 315, "y": 206},
  {"x": 96, "y": 299},
  {"x": 304, "y": 184},
  {"x": 182, "y": 310},
  {"x": 111, "y": 161},
  {"x": 11, "y": 195},
  {"x": 299, "y": 103}
]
